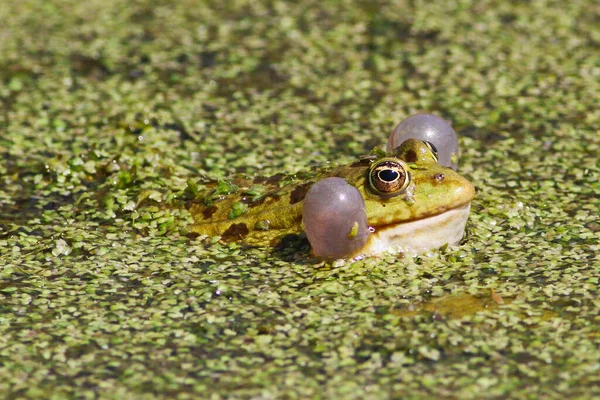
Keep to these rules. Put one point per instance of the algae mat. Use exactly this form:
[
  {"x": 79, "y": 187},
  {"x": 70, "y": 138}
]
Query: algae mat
[{"x": 112, "y": 112}]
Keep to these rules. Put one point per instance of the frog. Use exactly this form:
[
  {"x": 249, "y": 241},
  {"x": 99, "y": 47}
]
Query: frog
[{"x": 412, "y": 203}]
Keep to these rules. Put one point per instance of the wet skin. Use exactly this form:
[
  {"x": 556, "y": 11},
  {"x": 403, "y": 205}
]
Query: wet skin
[{"x": 263, "y": 210}]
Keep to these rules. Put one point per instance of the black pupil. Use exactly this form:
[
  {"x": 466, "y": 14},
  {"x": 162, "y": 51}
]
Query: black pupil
[
  {"x": 388, "y": 175},
  {"x": 433, "y": 148}
]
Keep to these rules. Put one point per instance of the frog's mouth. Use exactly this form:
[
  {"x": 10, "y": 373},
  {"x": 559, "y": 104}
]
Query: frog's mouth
[{"x": 421, "y": 235}]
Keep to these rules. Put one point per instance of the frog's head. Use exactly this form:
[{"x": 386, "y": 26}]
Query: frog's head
[{"x": 412, "y": 203}]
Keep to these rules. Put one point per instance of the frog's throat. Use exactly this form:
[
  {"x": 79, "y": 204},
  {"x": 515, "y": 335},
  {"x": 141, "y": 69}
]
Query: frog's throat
[{"x": 421, "y": 235}]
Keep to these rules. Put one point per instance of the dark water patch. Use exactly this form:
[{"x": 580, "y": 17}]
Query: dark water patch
[
  {"x": 486, "y": 135},
  {"x": 16, "y": 76},
  {"x": 89, "y": 67},
  {"x": 207, "y": 59},
  {"x": 263, "y": 77}
]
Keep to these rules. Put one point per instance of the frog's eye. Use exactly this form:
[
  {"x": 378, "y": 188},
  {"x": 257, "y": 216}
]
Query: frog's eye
[
  {"x": 433, "y": 149},
  {"x": 388, "y": 177}
]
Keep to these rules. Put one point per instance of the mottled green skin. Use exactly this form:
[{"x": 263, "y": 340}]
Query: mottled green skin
[{"x": 433, "y": 190}]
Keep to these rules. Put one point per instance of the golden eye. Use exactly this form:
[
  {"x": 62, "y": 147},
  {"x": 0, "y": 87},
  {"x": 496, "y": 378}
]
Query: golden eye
[{"x": 388, "y": 177}]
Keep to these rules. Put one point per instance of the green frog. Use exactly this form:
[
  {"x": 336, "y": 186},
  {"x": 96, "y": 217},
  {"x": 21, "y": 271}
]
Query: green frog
[{"x": 412, "y": 204}]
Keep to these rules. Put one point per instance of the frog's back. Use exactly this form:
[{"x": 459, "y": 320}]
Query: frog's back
[
  {"x": 246, "y": 216},
  {"x": 259, "y": 210}
]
